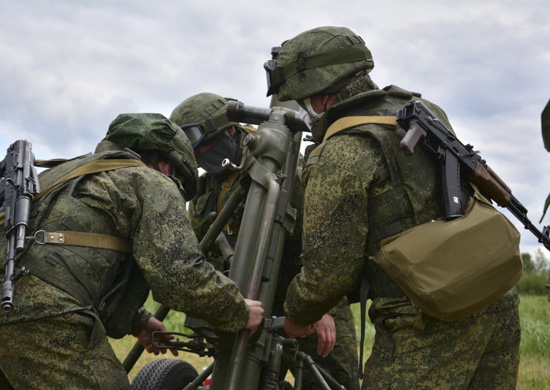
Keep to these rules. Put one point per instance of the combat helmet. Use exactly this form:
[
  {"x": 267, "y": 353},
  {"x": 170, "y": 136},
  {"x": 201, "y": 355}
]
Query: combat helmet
[
  {"x": 316, "y": 62},
  {"x": 202, "y": 117},
  {"x": 154, "y": 132}
]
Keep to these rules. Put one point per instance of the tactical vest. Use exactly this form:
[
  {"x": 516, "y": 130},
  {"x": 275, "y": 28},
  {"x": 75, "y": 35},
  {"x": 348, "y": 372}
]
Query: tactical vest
[
  {"x": 415, "y": 194},
  {"x": 415, "y": 184},
  {"x": 68, "y": 266}
]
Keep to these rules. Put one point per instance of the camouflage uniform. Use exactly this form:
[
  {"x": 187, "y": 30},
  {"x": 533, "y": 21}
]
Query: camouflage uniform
[
  {"x": 350, "y": 199},
  {"x": 54, "y": 339},
  {"x": 342, "y": 361}
]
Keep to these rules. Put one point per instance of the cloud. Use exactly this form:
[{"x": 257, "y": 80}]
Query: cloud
[{"x": 69, "y": 68}]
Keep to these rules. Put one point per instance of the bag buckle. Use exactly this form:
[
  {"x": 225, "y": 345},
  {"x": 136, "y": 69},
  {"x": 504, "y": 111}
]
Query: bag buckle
[{"x": 42, "y": 237}]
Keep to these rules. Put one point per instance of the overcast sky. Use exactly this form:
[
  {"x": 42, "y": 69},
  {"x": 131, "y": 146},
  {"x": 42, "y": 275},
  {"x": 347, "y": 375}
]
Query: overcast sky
[{"x": 68, "y": 68}]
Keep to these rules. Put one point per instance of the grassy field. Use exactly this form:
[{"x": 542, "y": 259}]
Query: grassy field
[{"x": 535, "y": 346}]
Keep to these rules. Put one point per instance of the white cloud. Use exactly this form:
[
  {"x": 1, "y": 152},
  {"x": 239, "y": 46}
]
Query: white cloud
[{"x": 69, "y": 68}]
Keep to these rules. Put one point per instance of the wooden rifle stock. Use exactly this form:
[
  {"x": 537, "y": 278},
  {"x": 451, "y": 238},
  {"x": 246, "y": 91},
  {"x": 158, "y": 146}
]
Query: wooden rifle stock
[{"x": 491, "y": 184}]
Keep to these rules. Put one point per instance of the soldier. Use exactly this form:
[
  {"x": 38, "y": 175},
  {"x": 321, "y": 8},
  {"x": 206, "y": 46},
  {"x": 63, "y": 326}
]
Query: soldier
[
  {"x": 352, "y": 202},
  {"x": 134, "y": 235},
  {"x": 203, "y": 118}
]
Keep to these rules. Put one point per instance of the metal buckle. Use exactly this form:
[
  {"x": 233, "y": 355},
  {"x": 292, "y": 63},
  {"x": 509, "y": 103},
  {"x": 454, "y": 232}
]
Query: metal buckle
[
  {"x": 42, "y": 237},
  {"x": 36, "y": 237}
]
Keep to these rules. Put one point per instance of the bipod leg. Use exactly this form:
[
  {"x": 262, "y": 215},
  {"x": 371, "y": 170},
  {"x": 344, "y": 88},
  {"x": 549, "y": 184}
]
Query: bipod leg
[
  {"x": 323, "y": 378},
  {"x": 200, "y": 379}
]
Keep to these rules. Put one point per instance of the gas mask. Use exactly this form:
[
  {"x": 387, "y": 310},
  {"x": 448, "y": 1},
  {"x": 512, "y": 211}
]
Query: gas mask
[{"x": 223, "y": 146}]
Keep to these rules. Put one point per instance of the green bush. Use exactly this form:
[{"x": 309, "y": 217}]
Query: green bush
[{"x": 533, "y": 282}]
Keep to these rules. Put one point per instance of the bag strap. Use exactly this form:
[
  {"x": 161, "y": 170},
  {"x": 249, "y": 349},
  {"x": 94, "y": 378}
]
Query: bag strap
[
  {"x": 94, "y": 166},
  {"x": 226, "y": 186},
  {"x": 93, "y": 240},
  {"x": 352, "y": 121}
]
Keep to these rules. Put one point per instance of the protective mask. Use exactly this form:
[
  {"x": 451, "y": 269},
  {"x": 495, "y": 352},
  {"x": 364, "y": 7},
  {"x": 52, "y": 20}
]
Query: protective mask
[
  {"x": 313, "y": 116},
  {"x": 224, "y": 147}
]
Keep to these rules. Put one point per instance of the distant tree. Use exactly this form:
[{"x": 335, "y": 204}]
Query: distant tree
[
  {"x": 540, "y": 261},
  {"x": 528, "y": 265}
]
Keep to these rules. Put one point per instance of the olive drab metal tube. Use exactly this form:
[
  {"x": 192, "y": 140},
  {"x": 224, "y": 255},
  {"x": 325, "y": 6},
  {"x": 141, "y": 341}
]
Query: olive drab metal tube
[
  {"x": 284, "y": 222},
  {"x": 269, "y": 163},
  {"x": 267, "y": 150},
  {"x": 267, "y": 155}
]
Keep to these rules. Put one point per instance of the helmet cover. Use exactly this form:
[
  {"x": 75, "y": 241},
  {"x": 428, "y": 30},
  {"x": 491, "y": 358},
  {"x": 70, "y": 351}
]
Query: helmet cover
[
  {"x": 154, "y": 132},
  {"x": 316, "y": 60}
]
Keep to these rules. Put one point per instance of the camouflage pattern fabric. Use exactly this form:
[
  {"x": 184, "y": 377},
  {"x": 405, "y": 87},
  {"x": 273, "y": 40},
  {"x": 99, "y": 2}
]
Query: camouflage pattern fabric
[
  {"x": 345, "y": 177},
  {"x": 342, "y": 362},
  {"x": 478, "y": 352},
  {"x": 126, "y": 203},
  {"x": 60, "y": 352},
  {"x": 321, "y": 42}
]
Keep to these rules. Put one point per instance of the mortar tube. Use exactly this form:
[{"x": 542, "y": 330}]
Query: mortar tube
[{"x": 239, "y": 351}]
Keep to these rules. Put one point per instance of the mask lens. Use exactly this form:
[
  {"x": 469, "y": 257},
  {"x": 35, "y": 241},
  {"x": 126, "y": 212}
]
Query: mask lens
[{"x": 194, "y": 133}]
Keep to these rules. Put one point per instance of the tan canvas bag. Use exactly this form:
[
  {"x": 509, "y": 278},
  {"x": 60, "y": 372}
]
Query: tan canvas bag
[{"x": 452, "y": 268}]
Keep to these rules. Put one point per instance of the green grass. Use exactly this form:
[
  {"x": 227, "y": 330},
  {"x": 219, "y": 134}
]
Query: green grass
[{"x": 534, "y": 372}]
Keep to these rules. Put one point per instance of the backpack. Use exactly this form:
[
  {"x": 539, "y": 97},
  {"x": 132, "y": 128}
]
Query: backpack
[{"x": 113, "y": 307}]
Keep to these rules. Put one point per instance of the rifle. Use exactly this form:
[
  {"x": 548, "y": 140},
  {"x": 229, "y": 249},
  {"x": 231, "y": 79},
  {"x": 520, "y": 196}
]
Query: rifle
[
  {"x": 441, "y": 144},
  {"x": 18, "y": 186}
]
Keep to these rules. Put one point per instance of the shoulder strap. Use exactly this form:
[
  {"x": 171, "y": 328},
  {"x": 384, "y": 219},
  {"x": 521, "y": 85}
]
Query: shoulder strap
[
  {"x": 93, "y": 240},
  {"x": 352, "y": 121},
  {"x": 94, "y": 166},
  {"x": 79, "y": 238},
  {"x": 338, "y": 126},
  {"x": 226, "y": 186}
]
